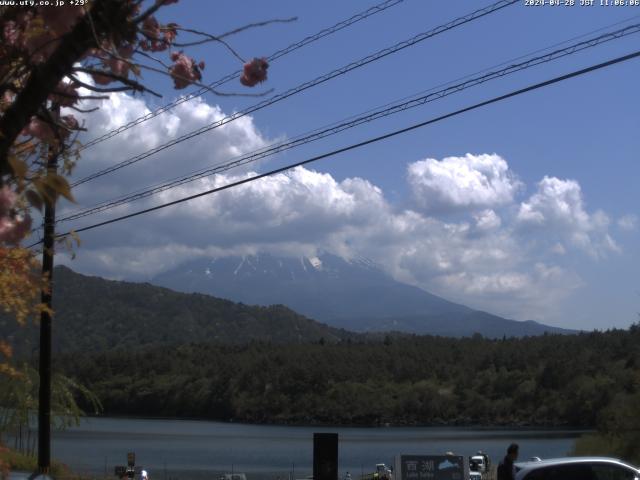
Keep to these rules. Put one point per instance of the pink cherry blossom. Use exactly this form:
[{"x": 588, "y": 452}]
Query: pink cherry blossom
[
  {"x": 39, "y": 129},
  {"x": 6, "y": 230},
  {"x": 126, "y": 50},
  {"x": 184, "y": 70},
  {"x": 70, "y": 122},
  {"x": 157, "y": 38},
  {"x": 7, "y": 200},
  {"x": 101, "y": 79},
  {"x": 151, "y": 27},
  {"x": 254, "y": 72},
  {"x": 12, "y": 230},
  {"x": 170, "y": 32},
  {"x": 69, "y": 95},
  {"x": 6, "y": 100},
  {"x": 119, "y": 67},
  {"x": 11, "y": 33}
]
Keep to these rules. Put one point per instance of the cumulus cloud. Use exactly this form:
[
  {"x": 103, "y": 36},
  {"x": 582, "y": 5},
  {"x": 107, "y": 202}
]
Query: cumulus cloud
[
  {"x": 487, "y": 220},
  {"x": 204, "y": 151},
  {"x": 462, "y": 183},
  {"x": 492, "y": 253},
  {"x": 558, "y": 207},
  {"x": 628, "y": 222}
]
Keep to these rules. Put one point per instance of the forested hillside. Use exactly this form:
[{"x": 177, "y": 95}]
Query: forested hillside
[
  {"x": 94, "y": 314},
  {"x": 547, "y": 380}
]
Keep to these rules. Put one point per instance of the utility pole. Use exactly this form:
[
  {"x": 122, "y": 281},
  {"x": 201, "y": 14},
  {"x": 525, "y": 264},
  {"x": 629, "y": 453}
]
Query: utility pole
[{"x": 44, "y": 404}]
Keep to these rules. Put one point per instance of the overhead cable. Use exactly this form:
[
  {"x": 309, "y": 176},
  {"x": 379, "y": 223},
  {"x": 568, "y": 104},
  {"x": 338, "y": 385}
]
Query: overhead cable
[
  {"x": 227, "y": 78},
  {"x": 356, "y": 121},
  {"x": 354, "y": 146},
  {"x": 304, "y": 86}
]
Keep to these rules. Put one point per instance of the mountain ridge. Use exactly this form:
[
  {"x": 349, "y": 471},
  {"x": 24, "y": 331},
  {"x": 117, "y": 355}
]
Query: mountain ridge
[
  {"x": 95, "y": 314},
  {"x": 353, "y": 294}
]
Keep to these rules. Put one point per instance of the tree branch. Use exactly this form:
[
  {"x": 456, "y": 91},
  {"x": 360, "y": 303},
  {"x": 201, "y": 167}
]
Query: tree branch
[
  {"x": 80, "y": 97},
  {"x": 202, "y": 85},
  {"x": 130, "y": 84},
  {"x": 46, "y": 76},
  {"x": 86, "y": 110},
  {"x": 150, "y": 11},
  {"x": 209, "y": 38}
]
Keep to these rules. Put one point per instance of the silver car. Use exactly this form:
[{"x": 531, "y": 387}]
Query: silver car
[{"x": 576, "y": 468}]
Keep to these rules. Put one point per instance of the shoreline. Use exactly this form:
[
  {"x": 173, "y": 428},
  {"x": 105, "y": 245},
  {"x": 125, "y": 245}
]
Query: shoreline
[{"x": 381, "y": 425}]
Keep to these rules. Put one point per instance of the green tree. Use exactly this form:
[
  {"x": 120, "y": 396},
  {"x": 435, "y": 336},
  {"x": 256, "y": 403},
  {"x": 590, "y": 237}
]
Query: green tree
[{"x": 19, "y": 404}]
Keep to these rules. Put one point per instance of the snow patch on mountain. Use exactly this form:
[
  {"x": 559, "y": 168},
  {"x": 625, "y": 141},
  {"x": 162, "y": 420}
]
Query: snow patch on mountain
[{"x": 315, "y": 262}]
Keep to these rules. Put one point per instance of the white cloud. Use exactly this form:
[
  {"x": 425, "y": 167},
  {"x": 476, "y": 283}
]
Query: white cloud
[
  {"x": 628, "y": 222},
  {"x": 203, "y": 151},
  {"x": 558, "y": 208},
  {"x": 487, "y": 220},
  {"x": 461, "y": 183},
  {"x": 559, "y": 249},
  {"x": 492, "y": 254}
]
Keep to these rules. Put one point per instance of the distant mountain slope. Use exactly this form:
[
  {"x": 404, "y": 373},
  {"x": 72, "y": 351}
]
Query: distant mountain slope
[
  {"x": 324, "y": 288},
  {"x": 356, "y": 295},
  {"x": 94, "y": 314},
  {"x": 453, "y": 325}
]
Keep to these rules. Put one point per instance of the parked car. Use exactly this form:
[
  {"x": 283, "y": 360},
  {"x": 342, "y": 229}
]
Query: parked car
[
  {"x": 233, "y": 476},
  {"x": 479, "y": 461},
  {"x": 383, "y": 472},
  {"x": 473, "y": 475},
  {"x": 576, "y": 468}
]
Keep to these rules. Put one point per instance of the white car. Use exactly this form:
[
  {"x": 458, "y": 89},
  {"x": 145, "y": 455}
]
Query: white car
[
  {"x": 576, "y": 468},
  {"x": 479, "y": 461}
]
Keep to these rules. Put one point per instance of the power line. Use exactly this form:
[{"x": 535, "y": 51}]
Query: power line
[
  {"x": 227, "y": 78},
  {"x": 304, "y": 86},
  {"x": 514, "y": 93},
  {"x": 338, "y": 127},
  {"x": 205, "y": 172}
]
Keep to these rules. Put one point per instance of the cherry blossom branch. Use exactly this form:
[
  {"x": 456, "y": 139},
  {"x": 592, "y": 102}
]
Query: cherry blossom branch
[
  {"x": 202, "y": 85},
  {"x": 151, "y": 57},
  {"x": 129, "y": 84},
  {"x": 79, "y": 97},
  {"x": 85, "y": 110},
  {"x": 150, "y": 11},
  {"x": 209, "y": 38},
  {"x": 43, "y": 79},
  {"x": 93, "y": 88}
]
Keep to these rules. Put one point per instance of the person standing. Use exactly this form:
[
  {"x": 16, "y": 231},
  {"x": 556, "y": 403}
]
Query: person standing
[{"x": 506, "y": 468}]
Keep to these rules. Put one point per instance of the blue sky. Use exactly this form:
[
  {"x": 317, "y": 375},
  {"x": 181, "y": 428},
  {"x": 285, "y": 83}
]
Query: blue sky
[{"x": 550, "y": 235}]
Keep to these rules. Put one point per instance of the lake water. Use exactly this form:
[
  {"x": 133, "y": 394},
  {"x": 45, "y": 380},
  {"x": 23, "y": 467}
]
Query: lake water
[{"x": 182, "y": 449}]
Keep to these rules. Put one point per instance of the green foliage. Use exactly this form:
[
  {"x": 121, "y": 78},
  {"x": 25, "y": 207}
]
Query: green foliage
[
  {"x": 93, "y": 314},
  {"x": 586, "y": 380},
  {"x": 29, "y": 463},
  {"x": 623, "y": 446},
  {"x": 618, "y": 424},
  {"x": 19, "y": 404}
]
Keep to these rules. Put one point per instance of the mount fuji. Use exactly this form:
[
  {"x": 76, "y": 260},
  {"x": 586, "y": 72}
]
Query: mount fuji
[{"x": 353, "y": 294}]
